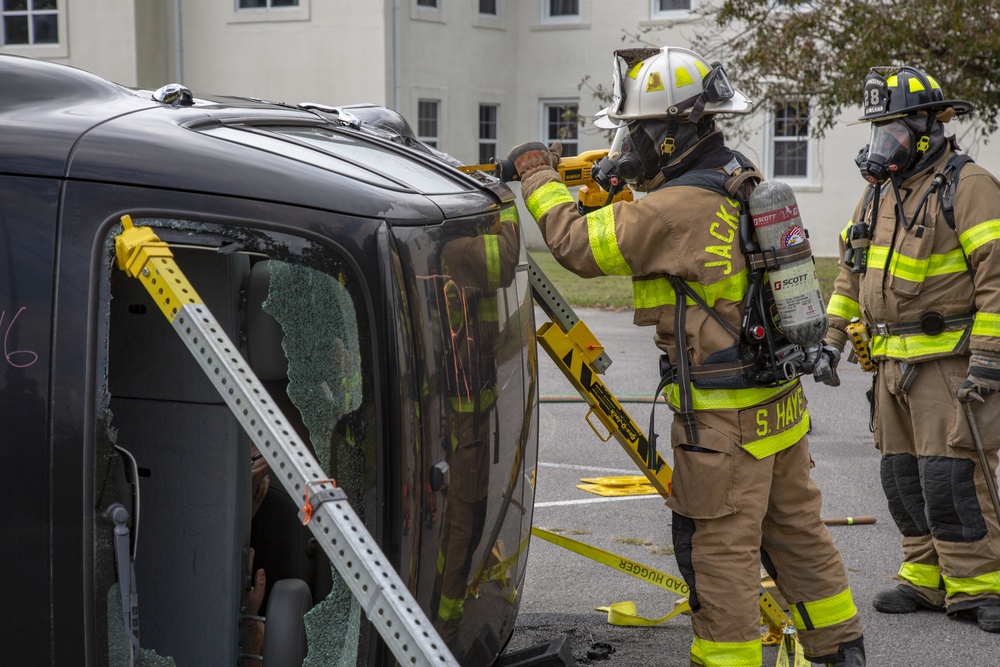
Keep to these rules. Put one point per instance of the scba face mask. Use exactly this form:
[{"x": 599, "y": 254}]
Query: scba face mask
[
  {"x": 630, "y": 160},
  {"x": 891, "y": 150}
]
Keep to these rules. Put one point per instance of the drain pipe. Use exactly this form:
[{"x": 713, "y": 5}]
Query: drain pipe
[
  {"x": 178, "y": 44},
  {"x": 397, "y": 57}
]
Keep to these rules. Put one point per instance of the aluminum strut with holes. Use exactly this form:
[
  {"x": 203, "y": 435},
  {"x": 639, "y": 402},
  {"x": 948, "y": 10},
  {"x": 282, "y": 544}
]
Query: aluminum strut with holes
[{"x": 355, "y": 554}]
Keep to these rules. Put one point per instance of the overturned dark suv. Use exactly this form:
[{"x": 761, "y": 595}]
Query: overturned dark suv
[{"x": 378, "y": 293}]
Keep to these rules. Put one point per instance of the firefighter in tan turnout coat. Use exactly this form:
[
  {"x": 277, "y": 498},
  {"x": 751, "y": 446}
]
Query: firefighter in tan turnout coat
[
  {"x": 924, "y": 281},
  {"x": 741, "y": 492}
]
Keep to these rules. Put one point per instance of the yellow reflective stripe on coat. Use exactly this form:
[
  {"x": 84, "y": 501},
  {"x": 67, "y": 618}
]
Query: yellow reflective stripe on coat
[
  {"x": 979, "y": 235},
  {"x": 842, "y": 306},
  {"x": 984, "y": 583},
  {"x": 925, "y": 576},
  {"x": 656, "y": 292},
  {"x": 824, "y": 613},
  {"x": 724, "y": 399},
  {"x": 913, "y": 269},
  {"x": 986, "y": 324},
  {"x": 604, "y": 242},
  {"x": 492, "y": 248},
  {"x": 772, "y": 444},
  {"x": 727, "y": 654},
  {"x": 548, "y": 197},
  {"x": 916, "y": 345}
]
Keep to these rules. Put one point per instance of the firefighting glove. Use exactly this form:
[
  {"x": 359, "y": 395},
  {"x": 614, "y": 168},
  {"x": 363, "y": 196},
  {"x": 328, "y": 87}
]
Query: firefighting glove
[
  {"x": 983, "y": 378},
  {"x": 825, "y": 370},
  {"x": 534, "y": 156},
  {"x": 835, "y": 338}
]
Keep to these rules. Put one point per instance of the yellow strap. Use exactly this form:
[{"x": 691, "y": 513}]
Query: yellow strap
[
  {"x": 770, "y": 611},
  {"x": 797, "y": 657},
  {"x": 638, "y": 570},
  {"x": 624, "y": 613}
]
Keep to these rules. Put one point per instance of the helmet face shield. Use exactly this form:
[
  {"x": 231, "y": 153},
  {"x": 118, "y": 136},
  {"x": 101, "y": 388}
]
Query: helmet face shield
[{"x": 891, "y": 150}]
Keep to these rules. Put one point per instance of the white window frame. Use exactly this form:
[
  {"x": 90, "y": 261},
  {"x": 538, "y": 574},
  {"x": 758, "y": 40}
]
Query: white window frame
[
  {"x": 58, "y": 50},
  {"x": 488, "y": 141},
  {"x": 561, "y": 19},
  {"x": 543, "y": 131},
  {"x": 431, "y": 140},
  {"x": 269, "y": 14},
  {"x": 656, "y": 14},
  {"x": 494, "y": 14},
  {"x": 773, "y": 140}
]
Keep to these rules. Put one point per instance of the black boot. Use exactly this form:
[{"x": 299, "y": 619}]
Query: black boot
[
  {"x": 850, "y": 654},
  {"x": 901, "y": 600},
  {"x": 986, "y": 616}
]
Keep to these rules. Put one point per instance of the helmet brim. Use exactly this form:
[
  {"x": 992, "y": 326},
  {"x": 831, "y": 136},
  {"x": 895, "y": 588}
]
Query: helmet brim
[
  {"x": 605, "y": 122},
  {"x": 961, "y": 108}
]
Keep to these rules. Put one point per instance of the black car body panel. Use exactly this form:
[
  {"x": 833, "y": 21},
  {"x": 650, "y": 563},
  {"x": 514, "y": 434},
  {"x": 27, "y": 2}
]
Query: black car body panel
[{"x": 381, "y": 296}]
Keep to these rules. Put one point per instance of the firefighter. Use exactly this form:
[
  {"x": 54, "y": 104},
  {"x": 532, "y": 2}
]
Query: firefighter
[
  {"x": 919, "y": 266},
  {"x": 741, "y": 492},
  {"x": 475, "y": 267}
]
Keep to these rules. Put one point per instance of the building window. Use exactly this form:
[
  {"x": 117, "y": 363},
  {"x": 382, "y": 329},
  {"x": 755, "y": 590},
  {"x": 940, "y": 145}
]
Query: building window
[
  {"x": 791, "y": 139},
  {"x": 266, "y": 4},
  {"x": 561, "y": 11},
  {"x": 487, "y": 132},
  {"x": 669, "y": 8},
  {"x": 427, "y": 3},
  {"x": 560, "y": 123},
  {"x": 488, "y": 7},
  {"x": 28, "y": 22},
  {"x": 428, "y": 112}
]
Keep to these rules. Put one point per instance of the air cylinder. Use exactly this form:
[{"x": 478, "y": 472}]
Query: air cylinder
[{"x": 793, "y": 284}]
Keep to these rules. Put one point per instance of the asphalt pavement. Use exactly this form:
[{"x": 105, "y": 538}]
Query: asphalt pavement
[{"x": 562, "y": 589}]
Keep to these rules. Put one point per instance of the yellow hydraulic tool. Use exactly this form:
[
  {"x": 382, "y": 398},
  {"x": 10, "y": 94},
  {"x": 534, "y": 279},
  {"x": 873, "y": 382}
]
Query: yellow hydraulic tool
[{"x": 574, "y": 171}]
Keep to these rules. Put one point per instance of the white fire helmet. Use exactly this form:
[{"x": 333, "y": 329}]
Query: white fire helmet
[{"x": 665, "y": 82}]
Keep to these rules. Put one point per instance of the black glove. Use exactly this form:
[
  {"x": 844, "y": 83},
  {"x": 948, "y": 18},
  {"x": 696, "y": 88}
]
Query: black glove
[
  {"x": 532, "y": 156},
  {"x": 825, "y": 370},
  {"x": 983, "y": 378}
]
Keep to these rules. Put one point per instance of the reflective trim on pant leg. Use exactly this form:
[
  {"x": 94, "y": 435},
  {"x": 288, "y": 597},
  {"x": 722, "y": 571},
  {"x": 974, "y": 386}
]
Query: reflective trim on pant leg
[
  {"x": 924, "y": 576},
  {"x": 825, "y": 612},
  {"x": 984, "y": 583},
  {"x": 450, "y": 609},
  {"x": 727, "y": 654}
]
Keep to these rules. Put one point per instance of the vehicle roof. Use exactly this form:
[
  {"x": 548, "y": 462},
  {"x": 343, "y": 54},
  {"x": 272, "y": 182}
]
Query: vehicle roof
[{"x": 60, "y": 122}]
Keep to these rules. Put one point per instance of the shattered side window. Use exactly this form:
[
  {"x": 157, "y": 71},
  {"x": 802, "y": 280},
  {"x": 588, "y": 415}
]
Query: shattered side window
[
  {"x": 324, "y": 370},
  {"x": 219, "y": 532}
]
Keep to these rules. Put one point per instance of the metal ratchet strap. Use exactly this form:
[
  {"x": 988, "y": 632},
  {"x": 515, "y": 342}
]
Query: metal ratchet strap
[{"x": 771, "y": 258}]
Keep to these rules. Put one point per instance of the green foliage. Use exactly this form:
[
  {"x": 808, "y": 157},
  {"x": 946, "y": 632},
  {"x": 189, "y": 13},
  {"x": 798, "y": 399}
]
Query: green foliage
[{"x": 775, "y": 49}]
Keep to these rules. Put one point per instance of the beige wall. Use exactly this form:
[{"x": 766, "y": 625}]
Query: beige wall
[{"x": 331, "y": 51}]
